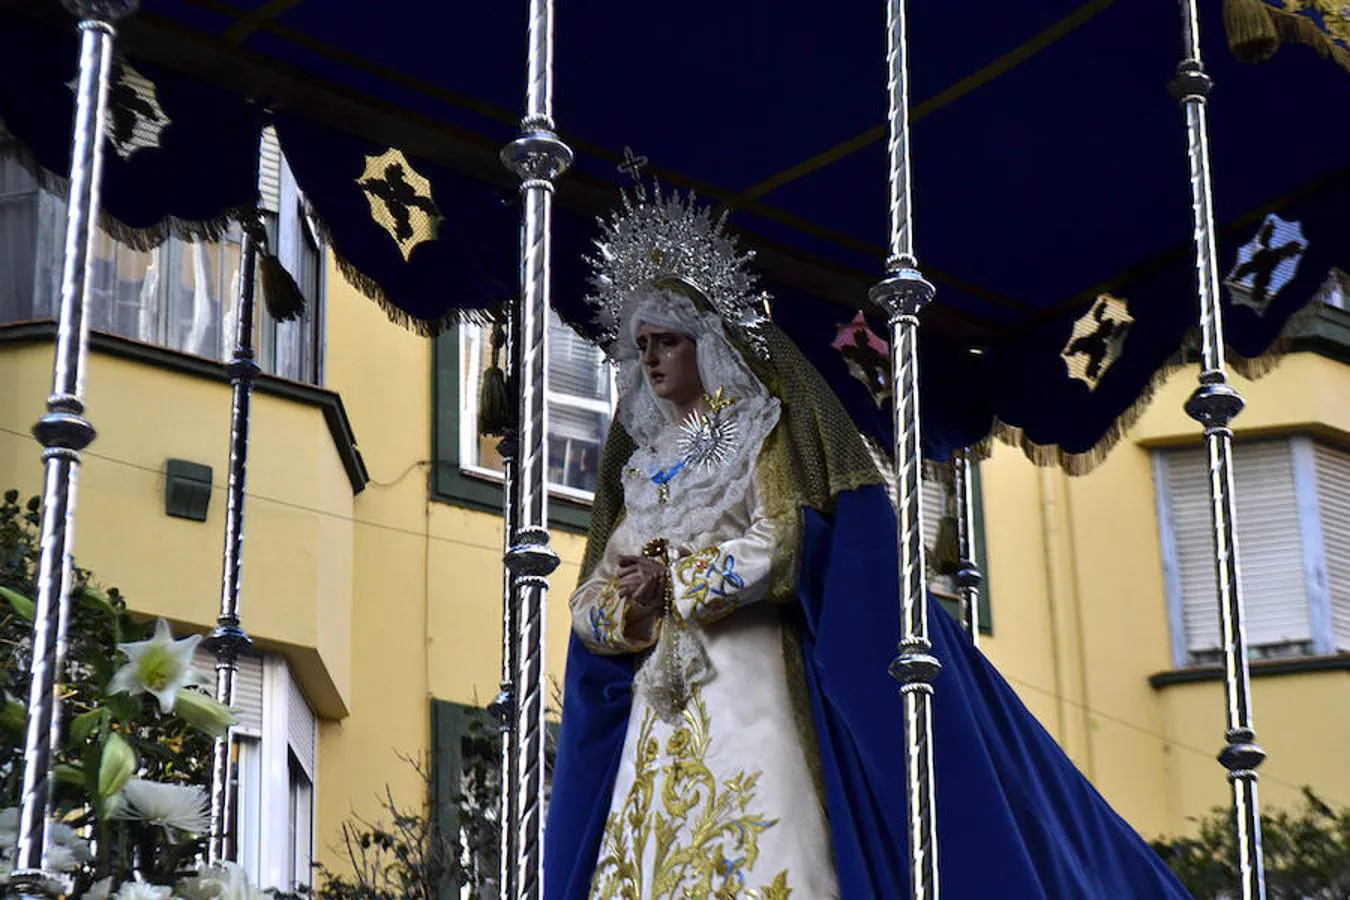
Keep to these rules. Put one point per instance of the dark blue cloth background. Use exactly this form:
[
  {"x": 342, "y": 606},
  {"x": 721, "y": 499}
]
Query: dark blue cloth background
[
  {"x": 205, "y": 167},
  {"x": 1015, "y": 818},
  {"x": 471, "y": 266}
]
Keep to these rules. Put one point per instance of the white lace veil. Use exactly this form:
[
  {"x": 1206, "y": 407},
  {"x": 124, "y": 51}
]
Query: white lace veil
[
  {"x": 703, "y": 495},
  {"x": 643, "y": 414}
]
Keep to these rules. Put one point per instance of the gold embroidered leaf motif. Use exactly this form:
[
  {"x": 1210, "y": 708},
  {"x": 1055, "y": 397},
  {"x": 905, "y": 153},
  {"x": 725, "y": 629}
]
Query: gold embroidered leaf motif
[
  {"x": 704, "y": 839},
  {"x": 710, "y": 580},
  {"x": 604, "y": 616}
]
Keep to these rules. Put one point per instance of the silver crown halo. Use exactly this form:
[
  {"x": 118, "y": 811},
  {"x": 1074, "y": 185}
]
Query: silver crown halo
[{"x": 671, "y": 241}]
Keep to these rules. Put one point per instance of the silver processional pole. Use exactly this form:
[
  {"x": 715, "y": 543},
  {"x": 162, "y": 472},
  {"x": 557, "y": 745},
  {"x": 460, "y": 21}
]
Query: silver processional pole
[
  {"x": 1214, "y": 405},
  {"x": 968, "y": 577},
  {"x": 63, "y": 432},
  {"x": 229, "y": 637},
  {"x": 903, "y": 293},
  {"x": 538, "y": 157},
  {"x": 503, "y": 707}
]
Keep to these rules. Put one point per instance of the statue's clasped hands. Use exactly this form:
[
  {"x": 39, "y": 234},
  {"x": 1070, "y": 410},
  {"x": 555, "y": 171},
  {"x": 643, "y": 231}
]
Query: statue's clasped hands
[{"x": 642, "y": 582}]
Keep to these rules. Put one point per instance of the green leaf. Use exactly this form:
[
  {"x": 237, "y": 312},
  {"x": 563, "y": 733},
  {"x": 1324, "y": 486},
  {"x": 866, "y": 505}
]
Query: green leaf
[
  {"x": 67, "y": 774},
  {"x": 22, "y": 606},
  {"x": 93, "y": 598},
  {"x": 124, "y": 707},
  {"x": 83, "y": 725},
  {"x": 103, "y": 669},
  {"x": 13, "y": 718}
]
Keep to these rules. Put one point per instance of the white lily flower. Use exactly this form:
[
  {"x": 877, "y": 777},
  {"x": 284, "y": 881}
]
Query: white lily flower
[
  {"x": 99, "y": 890},
  {"x": 139, "y": 890},
  {"x": 227, "y": 881},
  {"x": 178, "y": 807},
  {"x": 160, "y": 666}
]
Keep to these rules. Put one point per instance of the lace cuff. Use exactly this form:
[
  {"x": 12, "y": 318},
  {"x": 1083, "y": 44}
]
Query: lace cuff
[{"x": 606, "y": 622}]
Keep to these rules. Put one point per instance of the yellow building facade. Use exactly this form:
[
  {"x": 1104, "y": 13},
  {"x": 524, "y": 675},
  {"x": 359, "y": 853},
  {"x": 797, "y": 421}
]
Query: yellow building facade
[{"x": 372, "y": 575}]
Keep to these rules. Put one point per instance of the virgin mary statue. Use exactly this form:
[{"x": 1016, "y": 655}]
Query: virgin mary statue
[{"x": 729, "y": 726}]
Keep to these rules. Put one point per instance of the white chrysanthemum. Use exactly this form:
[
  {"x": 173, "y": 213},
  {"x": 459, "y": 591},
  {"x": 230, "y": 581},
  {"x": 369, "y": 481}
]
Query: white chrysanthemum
[
  {"x": 227, "y": 881},
  {"x": 67, "y": 852},
  {"x": 62, "y": 857},
  {"x": 139, "y": 890},
  {"x": 176, "y": 807},
  {"x": 99, "y": 890},
  {"x": 160, "y": 666}
]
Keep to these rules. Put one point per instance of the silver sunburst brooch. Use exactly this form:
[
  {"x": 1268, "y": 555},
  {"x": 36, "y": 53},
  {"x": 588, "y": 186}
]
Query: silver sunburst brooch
[{"x": 709, "y": 438}]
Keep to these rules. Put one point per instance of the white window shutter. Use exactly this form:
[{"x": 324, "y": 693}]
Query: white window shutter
[
  {"x": 300, "y": 727},
  {"x": 933, "y": 501},
  {"x": 575, "y": 366},
  {"x": 1333, "y": 503},
  {"x": 248, "y": 688},
  {"x": 269, "y": 171},
  {"x": 1269, "y": 542}
]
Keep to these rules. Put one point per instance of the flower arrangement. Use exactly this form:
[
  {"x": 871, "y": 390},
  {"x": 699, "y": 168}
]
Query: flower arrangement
[{"x": 131, "y": 812}]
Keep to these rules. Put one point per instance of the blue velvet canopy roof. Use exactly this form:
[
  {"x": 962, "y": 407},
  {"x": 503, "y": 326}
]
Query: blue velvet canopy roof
[{"x": 1052, "y": 204}]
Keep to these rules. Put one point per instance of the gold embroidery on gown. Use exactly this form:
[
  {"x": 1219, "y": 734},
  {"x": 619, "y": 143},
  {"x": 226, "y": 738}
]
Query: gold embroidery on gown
[{"x": 717, "y": 823}]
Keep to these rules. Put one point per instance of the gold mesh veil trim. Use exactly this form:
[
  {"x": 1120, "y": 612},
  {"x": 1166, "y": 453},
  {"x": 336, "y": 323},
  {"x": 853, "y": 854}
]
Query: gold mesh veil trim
[{"x": 814, "y": 454}]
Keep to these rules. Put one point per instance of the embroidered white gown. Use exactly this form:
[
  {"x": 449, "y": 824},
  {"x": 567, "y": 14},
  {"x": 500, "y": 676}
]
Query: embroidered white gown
[{"x": 723, "y": 802}]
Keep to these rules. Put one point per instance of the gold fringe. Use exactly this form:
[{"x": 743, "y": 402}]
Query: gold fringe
[
  {"x": 140, "y": 239},
  {"x": 371, "y": 288},
  {"x": 1074, "y": 464},
  {"x": 1251, "y": 33},
  {"x": 1256, "y": 30}
]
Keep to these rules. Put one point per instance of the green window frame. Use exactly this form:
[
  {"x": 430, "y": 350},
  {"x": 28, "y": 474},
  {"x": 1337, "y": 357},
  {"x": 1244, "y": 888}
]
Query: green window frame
[{"x": 449, "y": 482}]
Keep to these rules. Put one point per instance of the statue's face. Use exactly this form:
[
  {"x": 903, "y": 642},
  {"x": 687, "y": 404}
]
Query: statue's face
[{"x": 670, "y": 360}]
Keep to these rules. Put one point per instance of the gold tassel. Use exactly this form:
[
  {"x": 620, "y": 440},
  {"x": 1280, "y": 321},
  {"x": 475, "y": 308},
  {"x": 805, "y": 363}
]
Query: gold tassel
[
  {"x": 496, "y": 412},
  {"x": 1252, "y": 35},
  {"x": 282, "y": 295},
  {"x": 946, "y": 549}
]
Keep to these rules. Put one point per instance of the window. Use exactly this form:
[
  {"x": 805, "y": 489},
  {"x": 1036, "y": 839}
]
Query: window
[
  {"x": 1293, "y": 523},
  {"x": 938, "y": 502},
  {"x": 18, "y": 240},
  {"x": 274, "y": 748},
  {"x": 466, "y": 786},
  {"x": 181, "y": 295},
  {"x": 580, "y": 406}
]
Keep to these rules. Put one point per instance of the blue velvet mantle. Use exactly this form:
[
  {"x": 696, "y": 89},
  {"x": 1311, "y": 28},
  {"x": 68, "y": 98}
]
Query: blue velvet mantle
[{"x": 1015, "y": 818}]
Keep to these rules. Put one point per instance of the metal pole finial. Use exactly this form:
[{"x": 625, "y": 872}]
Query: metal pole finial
[{"x": 1214, "y": 405}]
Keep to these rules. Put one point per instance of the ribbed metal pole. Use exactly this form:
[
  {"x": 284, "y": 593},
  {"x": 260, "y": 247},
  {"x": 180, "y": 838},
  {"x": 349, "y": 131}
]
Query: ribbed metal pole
[
  {"x": 63, "y": 432},
  {"x": 1214, "y": 405},
  {"x": 538, "y": 157},
  {"x": 903, "y": 293},
  {"x": 229, "y": 637},
  {"x": 968, "y": 577},
  {"x": 504, "y": 705}
]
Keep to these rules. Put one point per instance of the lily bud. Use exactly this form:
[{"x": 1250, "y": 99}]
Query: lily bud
[
  {"x": 116, "y": 767},
  {"x": 204, "y": 713}
]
